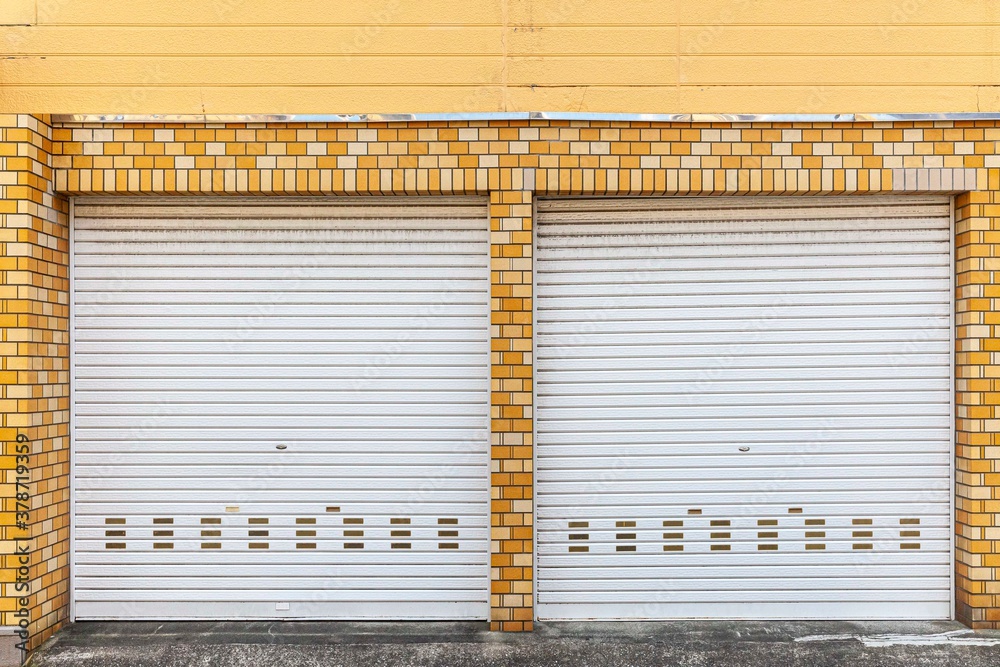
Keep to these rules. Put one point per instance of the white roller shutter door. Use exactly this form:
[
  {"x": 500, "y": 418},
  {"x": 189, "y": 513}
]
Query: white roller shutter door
[
  {"x": 744, "y": 408},
  {"x": 281, "y": 408}
]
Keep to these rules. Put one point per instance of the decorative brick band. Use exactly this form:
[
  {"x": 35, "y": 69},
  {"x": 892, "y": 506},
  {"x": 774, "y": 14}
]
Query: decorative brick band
[{"x": 564, "y": 158}]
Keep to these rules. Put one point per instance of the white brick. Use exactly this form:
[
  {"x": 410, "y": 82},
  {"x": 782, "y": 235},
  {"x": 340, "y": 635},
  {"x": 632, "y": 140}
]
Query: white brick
[
  {"x": 732, "y": 180},
  {"x": 367, "y": 135},
  {"x": 316, "y": 149},
  {"x": 215, "y": 148},
  {"x": 529, "y": 179},
  {"x": 791, "y": 135},
  {"x": 851, "y": 180},
  {"x": 163, "y": 135},
  {"x": 826, "y": 180},
  {"x": 732, "y": 136},
  {"x": 184, "y": 162}
]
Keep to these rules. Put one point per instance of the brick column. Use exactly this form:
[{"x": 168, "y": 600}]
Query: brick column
[
  {"x": 977, "y": 397},
  {"x": 512, "y": 473},
  {"x": 35, "y": 370}
]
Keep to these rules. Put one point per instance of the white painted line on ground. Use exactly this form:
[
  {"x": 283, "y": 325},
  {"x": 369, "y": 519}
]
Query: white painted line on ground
[{"x": 954, "y": 637}]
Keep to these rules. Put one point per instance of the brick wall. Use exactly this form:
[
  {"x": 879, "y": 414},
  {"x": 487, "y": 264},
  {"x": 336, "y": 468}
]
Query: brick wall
[
  {"x": 35, "y": 371},
  {"x": 511, "y": 510},
  {"x": 514, "y": 161},
  {"x": 977, "y": 386}
]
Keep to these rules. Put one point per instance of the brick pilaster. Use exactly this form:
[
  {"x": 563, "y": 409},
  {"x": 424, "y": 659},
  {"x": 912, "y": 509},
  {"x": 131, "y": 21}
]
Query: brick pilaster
[
  {"x": 511, "y": 511},
  {"x": 977, "y": 405},
  {"x": 35, "y": 368}
]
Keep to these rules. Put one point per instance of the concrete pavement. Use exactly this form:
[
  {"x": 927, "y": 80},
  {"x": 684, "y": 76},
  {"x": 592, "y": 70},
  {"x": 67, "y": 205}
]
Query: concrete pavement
[{"x": 682, "y": 643}]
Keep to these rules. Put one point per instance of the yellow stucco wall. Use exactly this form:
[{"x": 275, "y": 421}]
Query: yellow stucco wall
[{"x": 383, "y": 56}]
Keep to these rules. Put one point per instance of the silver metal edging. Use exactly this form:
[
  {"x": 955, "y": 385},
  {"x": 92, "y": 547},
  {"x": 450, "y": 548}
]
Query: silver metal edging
[{"x": 524, "y": 115}]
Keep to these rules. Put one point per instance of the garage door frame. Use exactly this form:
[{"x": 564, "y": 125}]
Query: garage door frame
[
  {"x": 483, "y": 200},
  {"x": 952, "y": 560}
]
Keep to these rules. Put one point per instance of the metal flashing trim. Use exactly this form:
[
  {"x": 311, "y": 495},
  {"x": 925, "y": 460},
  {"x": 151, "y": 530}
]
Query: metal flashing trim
[{"x": 524, "y": 115}]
